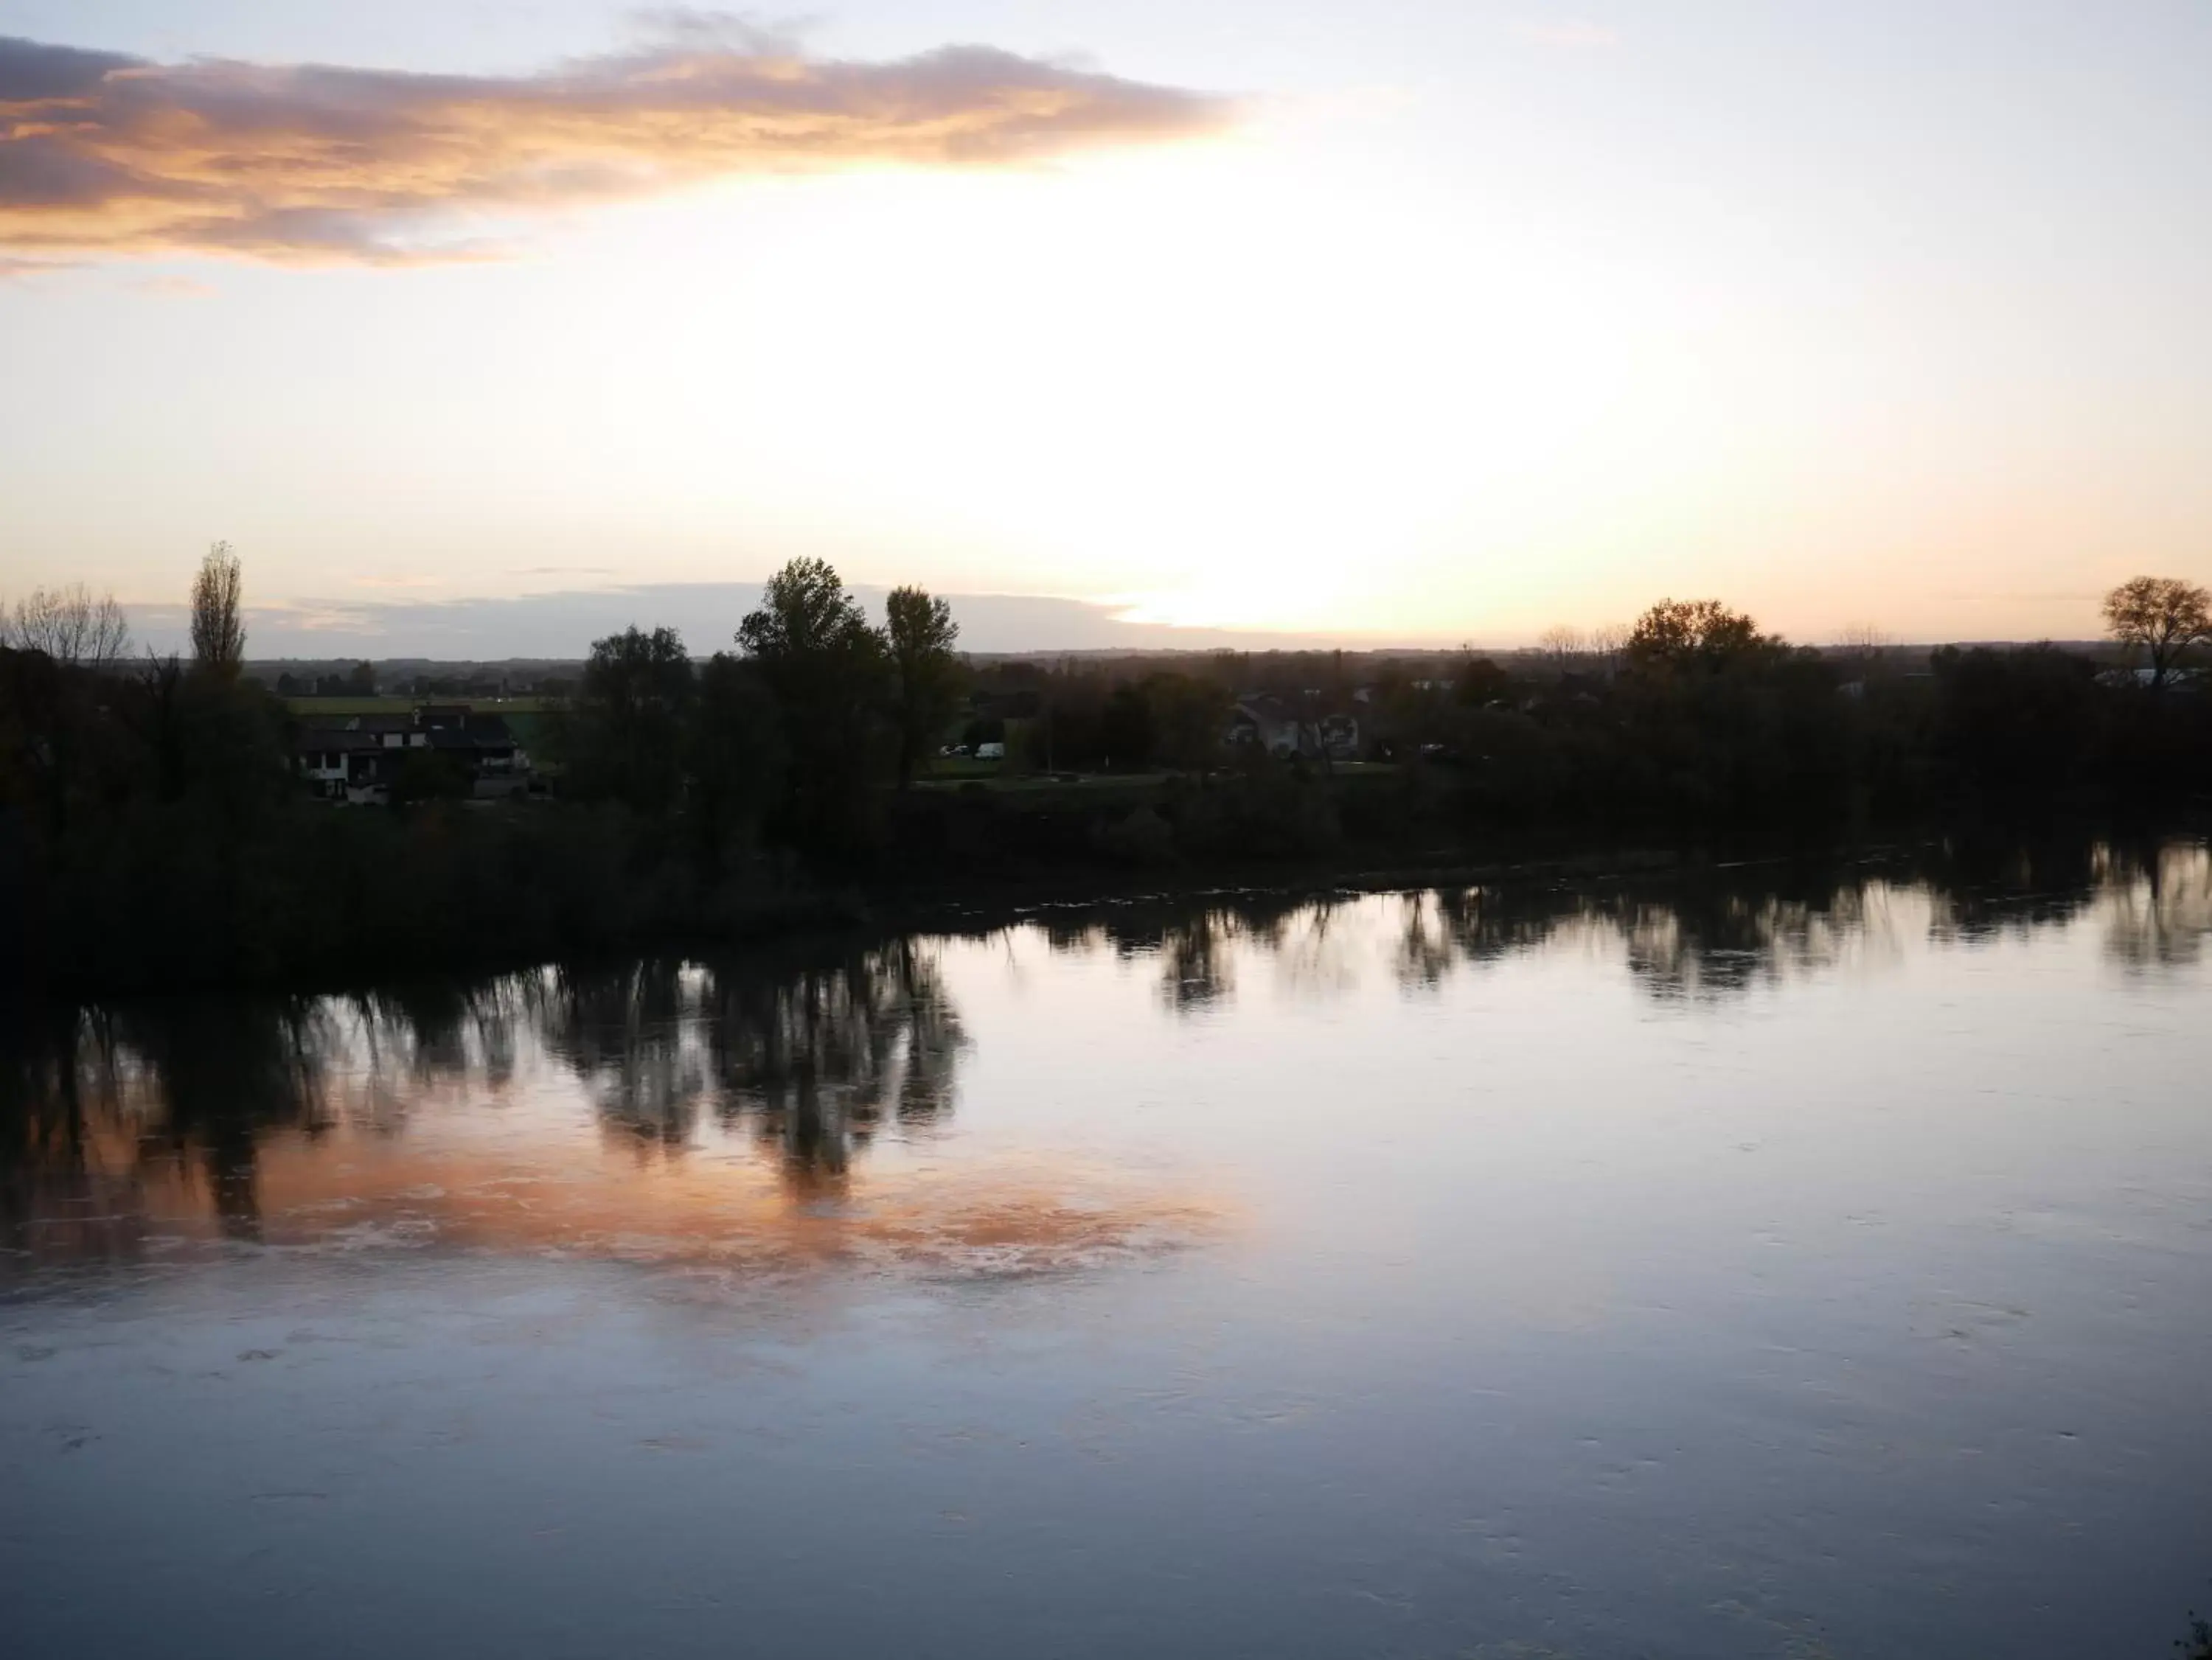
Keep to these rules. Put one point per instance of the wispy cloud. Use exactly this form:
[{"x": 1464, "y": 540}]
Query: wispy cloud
[
  {"x": 1573, "y": 34},
  {"x": 11, "y": 268},
  {"x": 102, "y": 154}
]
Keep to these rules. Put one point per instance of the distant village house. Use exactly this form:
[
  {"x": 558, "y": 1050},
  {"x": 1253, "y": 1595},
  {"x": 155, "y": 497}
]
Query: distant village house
[{"x": 356, "y": 759}]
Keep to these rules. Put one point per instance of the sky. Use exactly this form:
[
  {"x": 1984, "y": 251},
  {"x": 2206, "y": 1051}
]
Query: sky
[{"x": 1412, "y": 321}]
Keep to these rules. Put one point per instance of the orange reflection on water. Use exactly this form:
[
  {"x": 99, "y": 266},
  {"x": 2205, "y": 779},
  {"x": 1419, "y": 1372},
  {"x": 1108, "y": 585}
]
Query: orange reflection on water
[
  {"x": 998, "y": 1216},
  {"x": 445, "y": 1183}
]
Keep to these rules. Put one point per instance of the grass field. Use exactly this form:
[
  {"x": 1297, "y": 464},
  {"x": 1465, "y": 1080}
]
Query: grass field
[{"x": 400, "y": 705}]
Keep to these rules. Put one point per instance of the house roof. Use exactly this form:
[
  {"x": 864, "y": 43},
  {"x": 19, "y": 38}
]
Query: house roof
[
  {"x": 373, "y": 723},
  {"x": 474, "y": 732},
  {"x": 1265, "y": 707},
  {"x": 313, "y": 739}
]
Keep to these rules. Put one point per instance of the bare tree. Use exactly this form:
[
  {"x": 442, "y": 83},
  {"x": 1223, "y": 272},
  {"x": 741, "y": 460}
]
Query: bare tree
[
  {"x": 2162, "y": 616},
  {"x": 1563, "y": 646},
  {"x": 218, "y": 623},
  {"x": 1861, "y": 644},
  {"x": 1863, "y": 639},
  {"x": 1608, "y": 642},
  {"x": 69, "y": 625}
]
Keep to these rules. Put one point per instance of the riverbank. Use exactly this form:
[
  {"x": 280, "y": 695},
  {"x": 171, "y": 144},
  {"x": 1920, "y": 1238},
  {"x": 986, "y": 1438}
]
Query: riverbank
[{"x": 340, "y": 899}]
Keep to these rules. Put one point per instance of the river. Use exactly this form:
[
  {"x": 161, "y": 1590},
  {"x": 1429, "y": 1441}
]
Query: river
[{"x": 1762, "y": 1261}]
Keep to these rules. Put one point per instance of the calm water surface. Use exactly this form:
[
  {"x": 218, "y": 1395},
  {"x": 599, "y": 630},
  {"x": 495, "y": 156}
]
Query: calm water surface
[{"x": 1774, "y": 1264}]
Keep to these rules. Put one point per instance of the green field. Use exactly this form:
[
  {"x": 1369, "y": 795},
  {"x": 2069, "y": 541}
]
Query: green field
[{"x": 400, "y": 705}]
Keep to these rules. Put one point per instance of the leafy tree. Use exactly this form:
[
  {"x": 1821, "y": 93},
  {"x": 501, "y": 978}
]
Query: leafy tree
[
  {"x": 830, "y": 673},
  {"x": 736, "y": 756},
  {"x": 1129, "y": 726},
  {"x": 805, "y": 618},
  {"x": 1188, "y": 717},
  {"x": 1480, "y": 683},
  {"x": 2020, "y": 723},
  {"x": 218, "y": 625},
  {"x": 1682, "y": 633},
  {"x": 922, "y": 633},
  {"x": 626, "y": 730},
  {"x": 2160, "y": 617}
]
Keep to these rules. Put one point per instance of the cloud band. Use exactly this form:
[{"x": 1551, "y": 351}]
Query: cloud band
[{"x": 102, "y": 154}]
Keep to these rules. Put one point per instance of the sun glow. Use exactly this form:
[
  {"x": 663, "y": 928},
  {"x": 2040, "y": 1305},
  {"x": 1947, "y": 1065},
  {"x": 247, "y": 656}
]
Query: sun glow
[
  {"x": 1156, "y": 375},
  {"x": 1480, "y": 345}
]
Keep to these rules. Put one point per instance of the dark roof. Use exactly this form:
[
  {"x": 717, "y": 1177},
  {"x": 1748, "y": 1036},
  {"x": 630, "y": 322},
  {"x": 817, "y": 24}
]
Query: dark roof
[
  {"x": 474, "y": 732},
  {"x": 311, "y": 739}
]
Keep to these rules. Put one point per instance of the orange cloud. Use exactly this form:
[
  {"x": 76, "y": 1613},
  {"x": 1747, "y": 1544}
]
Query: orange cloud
[{"x": 102, "y": 154}]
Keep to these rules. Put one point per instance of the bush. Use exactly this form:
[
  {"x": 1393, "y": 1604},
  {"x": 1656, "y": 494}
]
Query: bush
[{"x": 1142, "y": 837}]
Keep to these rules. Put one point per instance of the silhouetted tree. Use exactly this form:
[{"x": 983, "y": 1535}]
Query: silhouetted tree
[
  {"x": 1678, "y": 633},
  {"x": 736, "y": 756},
  {"x": 157, "y": 710},
  {"x": 1480, "y": 683},
  {"x": 1563, "y": 647},
  {"x": 829, "y": 672},
  {"x": 627, "y": 727},
  {"x": 2014, "y": 724},
  {"x": 69, "y": 625},
  {"x": 1128, "y": 728},
  {"x": 218, "y": 622},
  {"x": 1190, "y": 715},
  {"x": 805, "y": 616},
  {"x": 2160, "y": 617},
  {"x": 921, "y": 633}
]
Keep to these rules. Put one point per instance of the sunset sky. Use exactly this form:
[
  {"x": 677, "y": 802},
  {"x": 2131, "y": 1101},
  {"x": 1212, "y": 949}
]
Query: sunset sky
[{"x": 1422, "y": 321}]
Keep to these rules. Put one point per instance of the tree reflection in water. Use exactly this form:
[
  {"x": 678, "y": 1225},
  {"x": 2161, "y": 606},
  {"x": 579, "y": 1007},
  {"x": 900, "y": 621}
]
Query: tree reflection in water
[
  {"x": 114, "y": 1122},
  {"x": 811, "y": 1059},
  {"x": 225, "y": 1072},
  {"x": 1689, "y": 934},
  {"x": 2157, "y": 906},
  {"x": 624, "y": 1031},
  {"x": 1196, "y": 945},
  {"x": 118, "y": 1122},
  {"x": 818, "y": 1059}
]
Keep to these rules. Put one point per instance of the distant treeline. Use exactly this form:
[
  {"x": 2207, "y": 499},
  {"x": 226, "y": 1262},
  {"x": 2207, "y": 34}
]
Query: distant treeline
[{"x": 152, "y": 831}]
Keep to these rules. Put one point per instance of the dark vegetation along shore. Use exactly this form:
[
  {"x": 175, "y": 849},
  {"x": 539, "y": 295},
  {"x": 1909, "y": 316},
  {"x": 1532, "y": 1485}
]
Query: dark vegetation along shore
[{"x": 154, "y": 830}]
